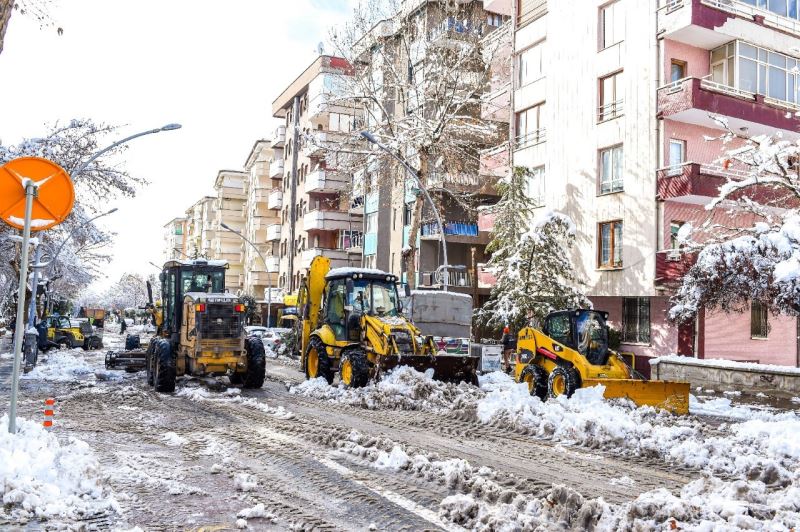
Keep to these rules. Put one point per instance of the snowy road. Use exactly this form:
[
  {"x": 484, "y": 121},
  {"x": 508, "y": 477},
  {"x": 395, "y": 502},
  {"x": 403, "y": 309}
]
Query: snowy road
[{"x": 314, "y": 458}]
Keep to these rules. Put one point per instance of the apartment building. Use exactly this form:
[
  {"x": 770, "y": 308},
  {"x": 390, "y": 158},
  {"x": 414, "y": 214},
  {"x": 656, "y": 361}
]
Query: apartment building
[
  {"x": 612, "y": 106},
  {"x": 199, "y": 228},
  {"x": 174, "y": 243},
  {"x": 260, "y": 210},
  {"x": 315, "y": 215},
  {"x": 229, "y": 209},
  {"x": 411, "y": 41}
]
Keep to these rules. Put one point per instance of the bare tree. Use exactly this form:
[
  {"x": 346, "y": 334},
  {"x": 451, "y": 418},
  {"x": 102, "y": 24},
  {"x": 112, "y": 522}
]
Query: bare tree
[
  {"x": 416, "y": 83},
  {"x": 39, "y": 10}
]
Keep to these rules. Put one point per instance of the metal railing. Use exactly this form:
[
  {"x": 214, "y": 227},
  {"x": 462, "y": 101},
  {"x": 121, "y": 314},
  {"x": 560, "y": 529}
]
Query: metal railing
[
  {"x": 459, "y": 228},
  {"x": 351, "y": 240},
  {"x": 451, "y": 26},
  {"x": 454, "y": 278},
  {"x": 745, "y": 10},
  {"x": 610, "y": 110},
  {"x": 531, "y": 138}
]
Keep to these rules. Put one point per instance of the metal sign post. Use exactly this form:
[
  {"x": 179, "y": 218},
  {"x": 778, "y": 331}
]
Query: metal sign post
[{"x": 19, "y": 329}]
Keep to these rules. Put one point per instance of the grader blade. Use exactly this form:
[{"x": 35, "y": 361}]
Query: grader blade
[{"x": 664, "y": 395}]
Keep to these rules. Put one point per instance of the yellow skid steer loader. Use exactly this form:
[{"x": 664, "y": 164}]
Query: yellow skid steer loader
[
  {"x": 351, "y": 323},
  {"x": 571, "y": 351}
]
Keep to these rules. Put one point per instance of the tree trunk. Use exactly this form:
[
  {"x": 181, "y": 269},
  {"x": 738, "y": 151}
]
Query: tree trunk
[
  {"x": 6, "y": 8},
  {"x": 416, "y": 216}
]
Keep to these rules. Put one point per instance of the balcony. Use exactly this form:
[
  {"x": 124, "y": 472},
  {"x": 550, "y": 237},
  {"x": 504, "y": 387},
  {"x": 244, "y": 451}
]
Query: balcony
[
  {"x": 273, "y": 232},
  {"x": 352, "y": 242},
  {"x": 503, "y": 7},
  {"x": 339, "y": 257},
  {"x": 691, "y": 100},
  {"x": 317, "y": 143},
  {"x": 451, "y": 32},
  {"x": 279, "y": 137},
  {"x": 276, "y": 168},
  {"x": 275, "y": 199},
  {"x": 456, "y": 232},
  {"x": 496, "y": 105},
  {"x": 273, "y": 264},
  {"x": 531, "y": 10},
  {"x": 455, "y": 279},
  {"x": 710, "y": 23},
  {"x": 531, "y": 138},
  {"x": 262, "y": 278},
  {"x": 696, "y": 179},
  {"x": 494, "y": 162},
  {"x": 324, "y": 181},
  {"x": 318, "y": 220},
  {"x": 671, "y": 267},
  {"x": 464, "y": 182}
]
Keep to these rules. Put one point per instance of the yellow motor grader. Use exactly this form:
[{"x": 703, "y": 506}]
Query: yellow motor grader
[
  {"x": 351, "y": 323},
  {"x": 571, "y": 351}
]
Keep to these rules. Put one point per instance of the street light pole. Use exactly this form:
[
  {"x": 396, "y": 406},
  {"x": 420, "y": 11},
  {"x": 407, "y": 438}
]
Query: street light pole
[
  {"x": 413, "y": 173},
  {"x": 82, "y": 167},
  {"x": 269, "y": 280}
]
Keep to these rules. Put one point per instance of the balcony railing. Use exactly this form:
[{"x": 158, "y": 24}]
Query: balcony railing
[
  {"x": 324, "y": 181},
  {"x": 273, "y": 232},
  {"x": 459, "y": 228},
  {"x": 275, "y": 199},
  {"x": 610, "y": 110},
  {"x": 455, "y": 278},
  {"x": 276, "y": 168},
  {"x": 531, "y": 138},
  {"x": 350, "y": 241},
  {"x": 672, "y": 266},
  {"x": 279, "y": 137},
  {"x": 273, "y": 264},
  {"x": 745, "y": 10},
  {"x": 450, "y": 27}
]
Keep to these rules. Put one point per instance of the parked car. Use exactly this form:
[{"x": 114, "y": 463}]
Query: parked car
[{"x": 272, "y": 337}]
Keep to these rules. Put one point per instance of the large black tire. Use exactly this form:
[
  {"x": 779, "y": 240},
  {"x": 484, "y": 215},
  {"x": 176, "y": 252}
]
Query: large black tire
[
  {"x": 132, "y": 341},
  {"x": 164, "y": 362},
  {"x": 353, "y": 368},
  {"x": 148, "y": 362},
  {"x": 317, "y": 363},
  {"x": 256, "y": 363},
  {"x": 72, "y": 342},
  {"x": 563, "y": 381},
  {"x": 536, "y": 379}
]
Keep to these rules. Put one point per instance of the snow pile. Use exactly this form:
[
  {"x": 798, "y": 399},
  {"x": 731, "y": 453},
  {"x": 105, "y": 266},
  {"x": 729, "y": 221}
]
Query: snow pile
[
  {"x": 173, "y": 440},
  {"x": 724, "y": 364},
  {"x": 233, "y": 395},
  {"x": 244, "y": 482},
  {"x": 41, "y": 478},
  {"x": 62, "y": 366},
  {"x": 404, "y": 388}
]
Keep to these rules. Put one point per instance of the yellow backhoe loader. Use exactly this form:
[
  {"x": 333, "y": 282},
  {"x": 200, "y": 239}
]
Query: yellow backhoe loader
[
  {"x": 571, "y": 351},
  {"x": 351, "y": 323}
]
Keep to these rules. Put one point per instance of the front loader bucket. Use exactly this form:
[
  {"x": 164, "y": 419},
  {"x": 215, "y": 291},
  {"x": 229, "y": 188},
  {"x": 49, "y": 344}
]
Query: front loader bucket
[
  {"x": 133, "y": 360},
  {"x": 665, "y": 395},
  {"x": 446, "y": 368}
]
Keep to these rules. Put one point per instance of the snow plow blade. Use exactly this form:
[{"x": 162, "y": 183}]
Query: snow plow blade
[
  {"x": 446, "y": 368},
  {"x": 128, "y": 360},
  {"x": 664, "y": 395}
]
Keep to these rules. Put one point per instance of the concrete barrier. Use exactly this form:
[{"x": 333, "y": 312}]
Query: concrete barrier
[{"x": 727, "y": 374}]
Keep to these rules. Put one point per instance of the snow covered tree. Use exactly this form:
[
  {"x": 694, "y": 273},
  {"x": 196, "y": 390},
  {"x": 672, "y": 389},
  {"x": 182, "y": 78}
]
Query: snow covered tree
[
  {"x": 531, "y": 260},
  {"x": 80, "y": 260},
  {"x": 755, "y": 253},
  {"x": 129, "y": 292},
  {"x": 416, "y": 84}
]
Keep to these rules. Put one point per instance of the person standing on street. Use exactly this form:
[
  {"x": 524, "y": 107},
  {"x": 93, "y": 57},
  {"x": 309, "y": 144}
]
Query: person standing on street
[
  {"x": 122, "y": 324},
  {"x": 508, "y": 347}
]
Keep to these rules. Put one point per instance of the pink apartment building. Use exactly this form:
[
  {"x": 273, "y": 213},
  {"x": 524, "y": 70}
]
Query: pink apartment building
[{"x": 612, "y": 103}]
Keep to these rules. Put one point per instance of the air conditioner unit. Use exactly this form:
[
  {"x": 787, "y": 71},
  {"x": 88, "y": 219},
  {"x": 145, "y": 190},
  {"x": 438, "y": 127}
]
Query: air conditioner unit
[{"x": 673, "y": 256}]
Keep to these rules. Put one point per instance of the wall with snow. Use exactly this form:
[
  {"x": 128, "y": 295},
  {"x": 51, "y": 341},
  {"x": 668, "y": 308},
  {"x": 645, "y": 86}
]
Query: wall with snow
[{"x": 728, "y": 336}]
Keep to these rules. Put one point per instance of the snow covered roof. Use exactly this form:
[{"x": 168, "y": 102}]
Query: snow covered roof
[
  {"x": 196, "y": 262},
  {"x": 349, "y": 272}
]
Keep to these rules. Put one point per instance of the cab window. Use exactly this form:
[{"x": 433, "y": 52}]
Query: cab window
[
  {"x": 334, "y": 308},
  {"x": 63, "y": 322},
  {"x": 558, "y": 328}
]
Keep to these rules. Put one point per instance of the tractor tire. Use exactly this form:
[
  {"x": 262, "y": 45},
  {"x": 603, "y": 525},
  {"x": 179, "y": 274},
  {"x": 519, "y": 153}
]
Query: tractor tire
[
  {"x": 318, "y": 364},
  {"x": 537, "y": 381},
  {"x": 353, "y": 369},
  {"x": 256, "y": 363},
  {"x": 563, "y": 381},
  {"x": 72, "y": 343},
  {"x": 164, "y": 362},
  {"x": 148, "y": 362},
  {"x": 132, "y": 341}
]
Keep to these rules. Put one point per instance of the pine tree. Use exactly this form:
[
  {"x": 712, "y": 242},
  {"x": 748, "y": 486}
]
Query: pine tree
[{"x": 531, "y": 260}]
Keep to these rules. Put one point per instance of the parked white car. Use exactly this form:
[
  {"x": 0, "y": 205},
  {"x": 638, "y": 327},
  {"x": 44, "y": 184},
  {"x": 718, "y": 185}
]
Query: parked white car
[{"x": 270, "y": 336}]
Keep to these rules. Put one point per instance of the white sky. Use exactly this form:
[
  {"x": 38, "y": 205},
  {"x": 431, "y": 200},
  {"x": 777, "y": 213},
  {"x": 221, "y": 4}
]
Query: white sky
[{"x": 214, "y": 67}]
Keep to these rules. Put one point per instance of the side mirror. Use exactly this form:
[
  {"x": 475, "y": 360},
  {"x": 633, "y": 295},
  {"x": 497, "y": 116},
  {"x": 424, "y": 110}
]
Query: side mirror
[{"x": 407, "y": 290}]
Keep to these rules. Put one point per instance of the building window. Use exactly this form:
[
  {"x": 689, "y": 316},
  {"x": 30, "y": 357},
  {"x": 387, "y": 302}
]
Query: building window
[
  {"x": 611, "y": 170},
  {"x": 612, "y": 24},
  {"x": 677, "y": 70},
  {"x": 636, "y": 320},
  {"x": 407, "y": 210},
  {"x": 610, "y": 99},
  {"x": 536, "y": 185},
  {"x": 756, "y": 70},
  {"x": 759, "y": 320},
  {"x": 674, "y": 229},
  {"x": 609, "y": 250},
  {"x": 530, "y": 64},
  {"x": 784, "y": 8},
  {"x": 531, "y": 126},
  {"x": 494, "y": 20},
  {"x": 371, "y": 223}
]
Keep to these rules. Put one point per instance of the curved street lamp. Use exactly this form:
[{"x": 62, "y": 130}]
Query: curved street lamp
[
  {"x": 269, "y": 279},
  {"x": 413, "y": 173}
]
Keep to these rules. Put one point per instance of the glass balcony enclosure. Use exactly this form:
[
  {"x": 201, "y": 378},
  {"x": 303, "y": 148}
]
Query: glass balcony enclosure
[
  {"x": 784, "y": 8},
  {"x": 756, "y": 70}
]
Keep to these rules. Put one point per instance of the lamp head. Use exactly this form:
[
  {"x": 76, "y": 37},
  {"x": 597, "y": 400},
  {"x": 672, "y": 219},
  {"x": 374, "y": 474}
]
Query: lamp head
[
  {"x": 170, "y": 127},
  {"x": 369, "y": 136}
]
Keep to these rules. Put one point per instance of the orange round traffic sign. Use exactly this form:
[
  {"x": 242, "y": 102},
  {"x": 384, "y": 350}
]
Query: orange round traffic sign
[{"x": 55, "y": 196}]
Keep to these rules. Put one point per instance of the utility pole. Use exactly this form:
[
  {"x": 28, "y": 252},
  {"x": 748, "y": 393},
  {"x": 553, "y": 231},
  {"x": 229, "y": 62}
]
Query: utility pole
[{"x": 293, "y": 196}]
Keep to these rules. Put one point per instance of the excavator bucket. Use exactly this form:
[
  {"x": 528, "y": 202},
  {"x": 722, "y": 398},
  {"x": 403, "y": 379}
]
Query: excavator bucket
[
  {"x": 664, "y": 395},
  {"x": 446, "y": 368}
]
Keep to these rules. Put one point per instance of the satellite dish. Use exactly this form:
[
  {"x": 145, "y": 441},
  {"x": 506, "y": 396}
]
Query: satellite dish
[{"x": 320, "y": 48}]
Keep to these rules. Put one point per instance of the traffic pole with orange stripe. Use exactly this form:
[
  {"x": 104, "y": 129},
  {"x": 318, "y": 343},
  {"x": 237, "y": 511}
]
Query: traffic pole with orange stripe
[{"x": 49, "y": 412}]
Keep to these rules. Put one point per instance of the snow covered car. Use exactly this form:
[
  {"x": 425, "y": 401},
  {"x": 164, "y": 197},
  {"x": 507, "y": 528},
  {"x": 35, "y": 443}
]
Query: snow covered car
[{"x": 271, "y": 337}]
